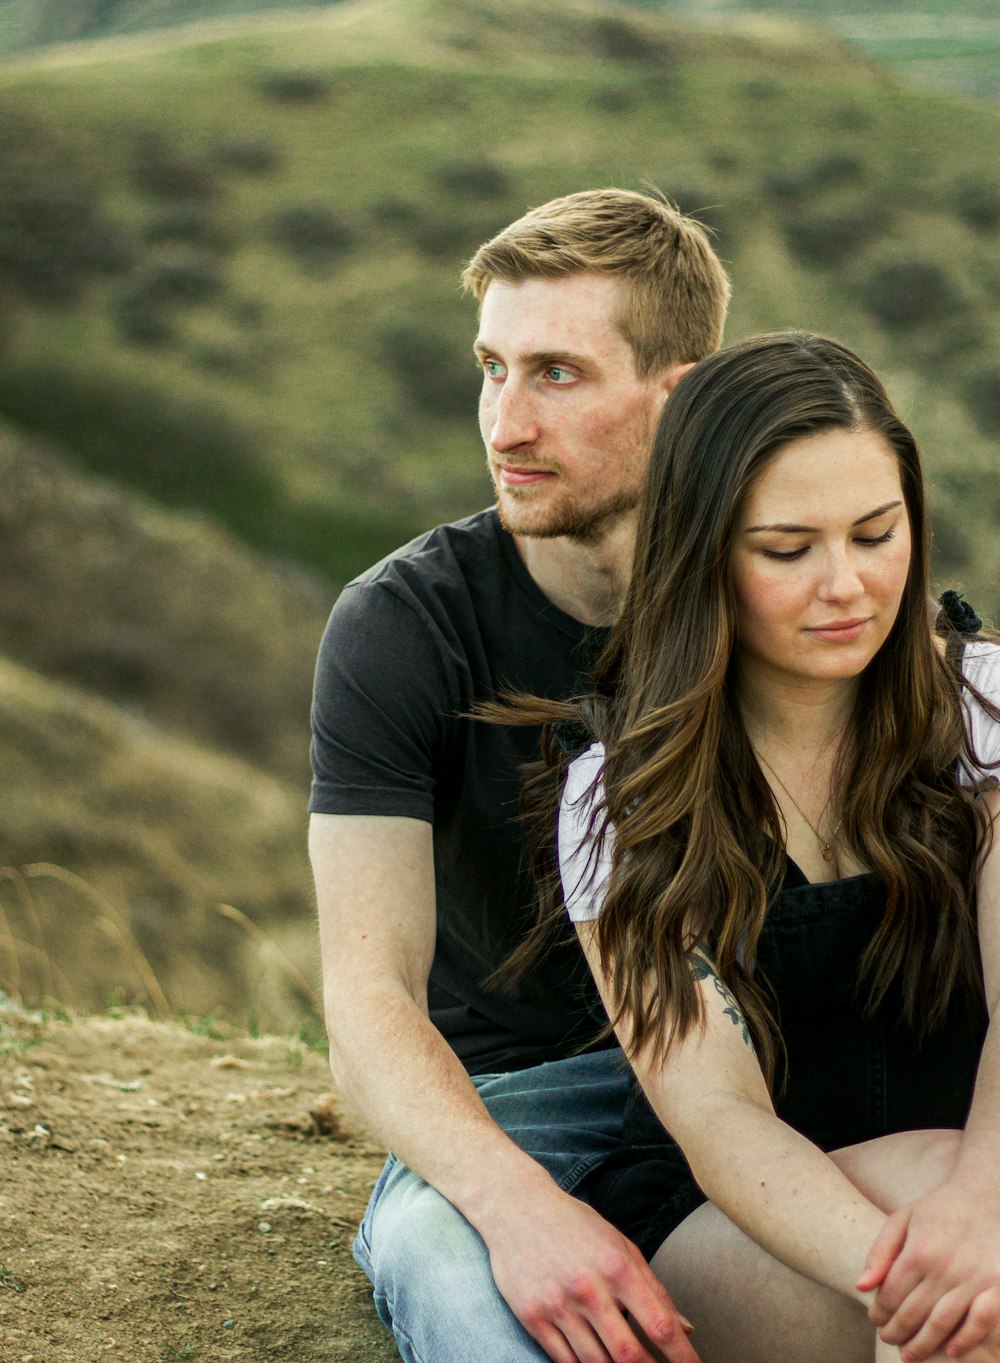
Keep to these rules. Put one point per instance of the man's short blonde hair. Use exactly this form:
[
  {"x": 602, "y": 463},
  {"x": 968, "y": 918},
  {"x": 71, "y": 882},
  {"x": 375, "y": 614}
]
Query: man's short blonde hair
[{"x": 675, "y": 293}]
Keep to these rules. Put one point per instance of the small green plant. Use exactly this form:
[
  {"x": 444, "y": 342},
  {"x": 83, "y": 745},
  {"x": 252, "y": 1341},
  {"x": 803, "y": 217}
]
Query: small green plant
[
  {"x": 10, "y": 1280},
  {"x": 184, "y": 1350}
]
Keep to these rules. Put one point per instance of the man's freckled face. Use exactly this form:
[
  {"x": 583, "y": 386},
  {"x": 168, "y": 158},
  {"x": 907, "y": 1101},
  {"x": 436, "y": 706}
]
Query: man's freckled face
[{"x": 566, "y": 419}]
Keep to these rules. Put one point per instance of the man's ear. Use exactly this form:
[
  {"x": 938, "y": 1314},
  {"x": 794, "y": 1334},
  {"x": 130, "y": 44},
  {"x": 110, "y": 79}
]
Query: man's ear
[{"x": 671, "y": 377}]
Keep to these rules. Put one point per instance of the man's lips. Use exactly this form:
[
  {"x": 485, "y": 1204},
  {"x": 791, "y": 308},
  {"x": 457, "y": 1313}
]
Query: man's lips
[
  {"x": 840, "y": 631},
  {"x": 517, "y": 476}
]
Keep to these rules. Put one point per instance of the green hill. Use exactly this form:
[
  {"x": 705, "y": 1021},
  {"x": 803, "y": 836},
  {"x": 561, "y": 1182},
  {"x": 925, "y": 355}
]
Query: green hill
[
  {"x": 951, "y": 44},
  {"x": 230, "y": 260},
  {"x": 154, "y": 691},
  {"x": 26, "y": 24}
]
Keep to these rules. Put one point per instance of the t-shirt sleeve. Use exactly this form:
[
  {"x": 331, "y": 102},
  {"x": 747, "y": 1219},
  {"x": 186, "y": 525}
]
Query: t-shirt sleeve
[
  {"x": 584, "y": 861},
  {"x": 382, "y": 701},
  {"x": 981, "y": 665}
]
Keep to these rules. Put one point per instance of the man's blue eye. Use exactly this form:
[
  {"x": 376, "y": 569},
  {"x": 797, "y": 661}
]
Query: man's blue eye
[{"x": 559, "y": 375}]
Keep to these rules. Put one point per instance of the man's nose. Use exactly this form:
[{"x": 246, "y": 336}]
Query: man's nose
[{"x": 513, "y": 420}]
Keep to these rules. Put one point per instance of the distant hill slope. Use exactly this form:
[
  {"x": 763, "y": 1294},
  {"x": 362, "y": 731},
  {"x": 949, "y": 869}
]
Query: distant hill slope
[
  {"x": 154, "y": 731},
  {"x": 231, "y": 260},
  {"x": 951, "y": 44},
  {"x": 158, "y": 611},
  {"x": 28, "y": 24}
]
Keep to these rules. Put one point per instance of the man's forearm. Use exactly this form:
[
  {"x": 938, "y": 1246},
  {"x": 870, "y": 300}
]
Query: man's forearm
[{"x": 396, "y": 1069}]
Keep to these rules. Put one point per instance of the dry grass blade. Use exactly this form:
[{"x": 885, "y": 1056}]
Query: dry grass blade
[
  {"x": 27, "y": 899},
  {"x": 289, "y": 969},
  {"x": 18, "y": 946},
  {"x": 111, "y": 922}
]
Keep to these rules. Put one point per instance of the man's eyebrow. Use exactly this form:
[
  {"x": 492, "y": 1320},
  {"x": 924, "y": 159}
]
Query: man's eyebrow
[
  {"x": 789, "y": 529},
  {"x": 536, "y": 359}
]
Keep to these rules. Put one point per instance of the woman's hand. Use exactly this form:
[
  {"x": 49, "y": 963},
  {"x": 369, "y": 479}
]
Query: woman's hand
[{"x": 935, "y": 1270}]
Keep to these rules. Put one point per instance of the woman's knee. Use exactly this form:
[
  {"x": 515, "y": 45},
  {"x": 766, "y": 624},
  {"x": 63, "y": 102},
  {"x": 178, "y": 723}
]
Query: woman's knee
[{"x": 894, "y": 1170}]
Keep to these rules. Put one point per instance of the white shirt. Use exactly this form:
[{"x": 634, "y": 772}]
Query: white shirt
[{"x": 585, "y": 868}]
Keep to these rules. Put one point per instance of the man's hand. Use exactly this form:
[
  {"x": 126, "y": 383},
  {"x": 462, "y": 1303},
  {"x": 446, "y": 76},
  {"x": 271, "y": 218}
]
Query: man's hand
[
  {"x": 570, "y": 1278},
  {"x": 936, "y": 1267}
]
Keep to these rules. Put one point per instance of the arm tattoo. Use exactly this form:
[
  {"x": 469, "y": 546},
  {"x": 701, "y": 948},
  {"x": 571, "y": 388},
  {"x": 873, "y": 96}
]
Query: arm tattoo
[{"x": 702, "y": 968}]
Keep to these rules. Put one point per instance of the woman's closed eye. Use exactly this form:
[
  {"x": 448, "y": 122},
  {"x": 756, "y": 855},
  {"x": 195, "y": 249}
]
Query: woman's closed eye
[{"x": 866, "y": 542}]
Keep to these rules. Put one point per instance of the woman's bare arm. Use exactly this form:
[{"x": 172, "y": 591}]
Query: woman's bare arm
[{"x": 778, "y": 1187}]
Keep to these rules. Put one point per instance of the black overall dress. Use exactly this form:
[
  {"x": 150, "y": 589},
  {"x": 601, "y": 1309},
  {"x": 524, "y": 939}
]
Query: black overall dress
[{"x": 851, "y": 1075}]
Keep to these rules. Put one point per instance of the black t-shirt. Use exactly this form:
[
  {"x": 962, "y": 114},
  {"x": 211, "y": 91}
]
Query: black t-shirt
[{"x": 412, "y": 646}]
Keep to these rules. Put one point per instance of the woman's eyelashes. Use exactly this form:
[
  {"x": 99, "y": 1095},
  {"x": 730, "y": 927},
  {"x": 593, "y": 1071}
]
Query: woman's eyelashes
[{"x": 866, "y": 541}]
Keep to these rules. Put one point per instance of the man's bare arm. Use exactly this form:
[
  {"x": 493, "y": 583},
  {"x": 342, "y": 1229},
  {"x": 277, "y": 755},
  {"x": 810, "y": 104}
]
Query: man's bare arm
[{"x": 567, "y": 1275}]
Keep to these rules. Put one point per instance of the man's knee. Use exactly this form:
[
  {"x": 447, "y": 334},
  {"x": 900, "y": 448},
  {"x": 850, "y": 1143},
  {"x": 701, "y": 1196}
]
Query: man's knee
[{"x": 417, "y": 1237}]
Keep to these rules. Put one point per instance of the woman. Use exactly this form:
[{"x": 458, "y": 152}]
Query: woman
[{"x": 778, "y": 857}]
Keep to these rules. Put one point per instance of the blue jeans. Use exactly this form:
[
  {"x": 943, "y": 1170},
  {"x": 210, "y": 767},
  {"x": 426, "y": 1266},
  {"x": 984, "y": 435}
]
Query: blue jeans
[{"x": 430, "y": 1269}]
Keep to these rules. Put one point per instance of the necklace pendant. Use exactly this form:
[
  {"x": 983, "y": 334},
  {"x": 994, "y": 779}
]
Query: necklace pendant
[{"x": 827, "y": 853}]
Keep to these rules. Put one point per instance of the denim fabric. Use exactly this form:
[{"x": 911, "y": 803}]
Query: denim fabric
[
  {"x": 430, "y": 1269},
  {"x": 852, "y": 1073}
]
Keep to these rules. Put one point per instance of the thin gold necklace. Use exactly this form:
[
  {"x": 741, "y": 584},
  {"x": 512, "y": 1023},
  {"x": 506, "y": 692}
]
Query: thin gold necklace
[{"x": 825, "y": 845}]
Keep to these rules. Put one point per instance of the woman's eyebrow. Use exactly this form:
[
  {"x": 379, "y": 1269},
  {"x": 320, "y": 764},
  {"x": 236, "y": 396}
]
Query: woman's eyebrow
[{"x": 788, "y": 529}]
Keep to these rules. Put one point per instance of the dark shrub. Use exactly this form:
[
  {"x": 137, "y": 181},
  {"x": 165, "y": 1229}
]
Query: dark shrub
[
  {"x": 474, "y": 179},
  {"x": 830, "y": 238},
  {"x": 762, "y": 90},
  {"x": 983, "y": 393},
  {"x": 617, "y": 40},
  {"x": 185, "y": 275},
  {"x": 139, "y": 319},
  {"x": 614, "y": 100},
  {"x": 786, "y": 184},
  {"x": 53, "y": 233},
  {"x": 394, "y": 212},
  {"x": 249, "y": 155},
  {"x": 295, "y": 87},
  {"x": 851, "y": 117},
  {"x": 313, "y": 233},
  {"x": 840, "y": 168},
  {"x": 910, "y": 293},
  {"x": 166, "y": 171},
  {"x": 188, "y": 222},
  {"x": 437, "y": 376},
  {"x": 979, "y": 206}
]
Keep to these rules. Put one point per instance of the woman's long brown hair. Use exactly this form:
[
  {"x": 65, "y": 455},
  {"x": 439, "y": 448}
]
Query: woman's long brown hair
[{"x": 699, "y": 844}]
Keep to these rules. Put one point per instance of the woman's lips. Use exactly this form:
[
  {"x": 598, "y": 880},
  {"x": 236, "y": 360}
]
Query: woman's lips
[{"x": 839, "y": 631}]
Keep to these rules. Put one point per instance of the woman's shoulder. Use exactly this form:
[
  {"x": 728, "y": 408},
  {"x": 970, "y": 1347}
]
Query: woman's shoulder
[
  {"x": 981, "y": 666},
  {"x": 981, "y": 670},
  {"x": 582, "y": 772}
]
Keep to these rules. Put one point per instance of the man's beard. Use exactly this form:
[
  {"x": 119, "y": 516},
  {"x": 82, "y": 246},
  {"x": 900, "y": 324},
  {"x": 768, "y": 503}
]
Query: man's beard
[{"x": 585, "y": 524}]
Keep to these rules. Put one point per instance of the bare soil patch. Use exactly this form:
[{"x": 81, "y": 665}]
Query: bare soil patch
[{"x": 170, "y": 1196}]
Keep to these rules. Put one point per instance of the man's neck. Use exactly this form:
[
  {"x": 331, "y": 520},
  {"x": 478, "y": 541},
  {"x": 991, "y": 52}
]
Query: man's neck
[{"x": 584, "y": 578}]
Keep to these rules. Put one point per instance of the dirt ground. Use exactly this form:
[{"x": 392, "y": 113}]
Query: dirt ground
[{"x": 165, "y": 1195}]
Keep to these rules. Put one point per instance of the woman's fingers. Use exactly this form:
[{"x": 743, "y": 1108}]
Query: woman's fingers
[
  {"x": 981, "y": 1321},
  {"x": 883, "y": 1253},
  {"x": 932, "y": 1328}
]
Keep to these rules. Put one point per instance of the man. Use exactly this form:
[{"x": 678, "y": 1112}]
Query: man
[{"x": 592, "y": 307}]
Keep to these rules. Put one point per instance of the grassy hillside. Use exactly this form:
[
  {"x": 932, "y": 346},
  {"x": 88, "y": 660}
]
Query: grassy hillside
[
  {"x": 26, "y": 24},
  {"x": 951, "y": 44},
  {"x": 154, "y": 690},
  {"x": 231, "y": 260}
]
